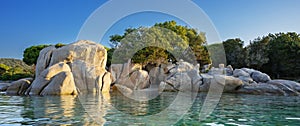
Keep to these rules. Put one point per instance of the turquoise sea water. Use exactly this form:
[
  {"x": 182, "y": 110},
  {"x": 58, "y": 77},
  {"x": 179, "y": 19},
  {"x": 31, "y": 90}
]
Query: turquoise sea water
[{"x": 232, "y": 109}]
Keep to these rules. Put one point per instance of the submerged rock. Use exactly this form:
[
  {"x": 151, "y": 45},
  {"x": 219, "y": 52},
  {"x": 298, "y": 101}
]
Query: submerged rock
[
  {"x": 261, "y": 89},
  {"x": 4, "y": 86},
  {"x": 19, "y": 87},
  {"x": 291, "y": 84},
  {"x": 272, "y": 87}
]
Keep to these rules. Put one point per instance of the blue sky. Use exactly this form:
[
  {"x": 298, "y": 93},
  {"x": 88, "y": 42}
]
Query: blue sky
[{"x": 24, "y": 23}]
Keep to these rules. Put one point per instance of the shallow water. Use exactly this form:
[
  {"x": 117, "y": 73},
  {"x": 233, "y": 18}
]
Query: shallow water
[{"x": 232, "y": 109}]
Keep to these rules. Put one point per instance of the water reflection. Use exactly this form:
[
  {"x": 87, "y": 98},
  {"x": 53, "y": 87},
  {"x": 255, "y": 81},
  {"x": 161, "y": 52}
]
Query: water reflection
[
  {"x": 96, "y": 106},
  {"x": 10, "y": 109},
  {"x": 115, "y": 109},
  {"x": 57, "y": 110}
]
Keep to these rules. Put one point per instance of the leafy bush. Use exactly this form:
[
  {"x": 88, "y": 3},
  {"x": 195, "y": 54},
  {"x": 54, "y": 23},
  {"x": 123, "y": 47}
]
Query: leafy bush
[
  {"x": 59, "y": 45},
  {"x": 31, "y": 54},
  {"x": 9, "y": 76}
]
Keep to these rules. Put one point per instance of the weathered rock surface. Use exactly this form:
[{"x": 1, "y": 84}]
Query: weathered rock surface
[
  {"x": 263, "y": 85},
  {"x": 55, "y": 80},
  {"x": 227, "y": 83},
  {"x": 157, "y": 75},
  {"x": 75, "y": 68},
  {"x": 140, "y": 79},
  {"x": 230, "y": 83},
  {"x": 260, "y": 77},
  {"x": 4, "y": 86},
  {"x": 129, "y": 75},
  {"x": 182, "y": 77},
  {"x": 123, "y": 89},
  {"x": 245, "y": 80},
  {"x": 239, "y": 72},
  {"x": 19, "y": 87},
  {"x": 229, "y": 70},
  {"x": 290, "y": 84},
  {"x": 261, "y": 89},
  {"x": 204, "y": 87},
  {"x": 60, "y": 84}
]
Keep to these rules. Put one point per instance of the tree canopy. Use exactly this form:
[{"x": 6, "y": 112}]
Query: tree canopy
[
  {"x": 235, "y": 53},
  {"x": 31, "y": 54},
  {"x": 161, "y": 43},
  {"x": 275, "y": 54}
]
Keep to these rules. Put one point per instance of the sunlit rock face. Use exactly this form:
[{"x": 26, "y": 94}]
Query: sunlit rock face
[
  {"x": 75, "y": 68},
  {"x": 129, "y": 75},
  {"x": 181, "y": 76},
  {"x": 19, "y": 87}
]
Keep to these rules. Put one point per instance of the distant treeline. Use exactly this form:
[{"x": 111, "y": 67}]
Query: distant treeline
[{"x": 275, "y": 54}]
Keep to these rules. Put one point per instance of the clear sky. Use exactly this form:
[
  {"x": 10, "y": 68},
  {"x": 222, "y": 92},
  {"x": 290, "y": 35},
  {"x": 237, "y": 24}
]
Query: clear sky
[{"x": 24, "y": 23}]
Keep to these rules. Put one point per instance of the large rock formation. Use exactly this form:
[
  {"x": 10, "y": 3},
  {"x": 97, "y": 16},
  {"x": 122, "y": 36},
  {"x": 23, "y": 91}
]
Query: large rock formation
[
  {"x": 80, "y": 68},
  {"x": 273, "y": 87},
  {"x": 129, "y": 75},
  {"x": 245, "y": 80},
  {"x": 181, "y": 77},
  {"x": 55, "y": 80},
  {"x": 75, "y": 68}
]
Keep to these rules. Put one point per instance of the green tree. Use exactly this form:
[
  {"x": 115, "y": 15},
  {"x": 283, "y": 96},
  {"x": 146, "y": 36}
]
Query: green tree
[
  {"x": 276, "y": 54},
  {"x": 257, "y": 54},
  {"x": 195, "y": 39},
  {"x": 284, "y": 54},
  {"x": 31, "y": 54},
  {"x": 152, "y": 45},
  {"x": 110, "y": 52},
  {"x": 189, "y": 37},
  {"x": 59, "y": 45},
  {"x": 235, "y": 53}
]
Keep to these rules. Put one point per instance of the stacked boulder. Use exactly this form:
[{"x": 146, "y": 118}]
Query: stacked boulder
[
  {"x": 69, "y": 70},
  {"x": 220, "y": 78},
  {"x": 181, "y": 76},
  {"x": 250, "y": 81},
  {"x": 186, "y": 77},
  {"x": 128, "y": 77}
]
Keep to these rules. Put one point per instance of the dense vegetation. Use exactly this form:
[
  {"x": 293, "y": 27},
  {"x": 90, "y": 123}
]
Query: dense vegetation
[
  {"x": 275, "y": 54},
  {"x": 160, "y": 44},
  {"x": 13, "y": 69},
  {"x": 31, "y": 54}
]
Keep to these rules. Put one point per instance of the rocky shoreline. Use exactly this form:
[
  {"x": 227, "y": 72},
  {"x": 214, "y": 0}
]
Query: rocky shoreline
[{"x": 80, "y": 68}]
